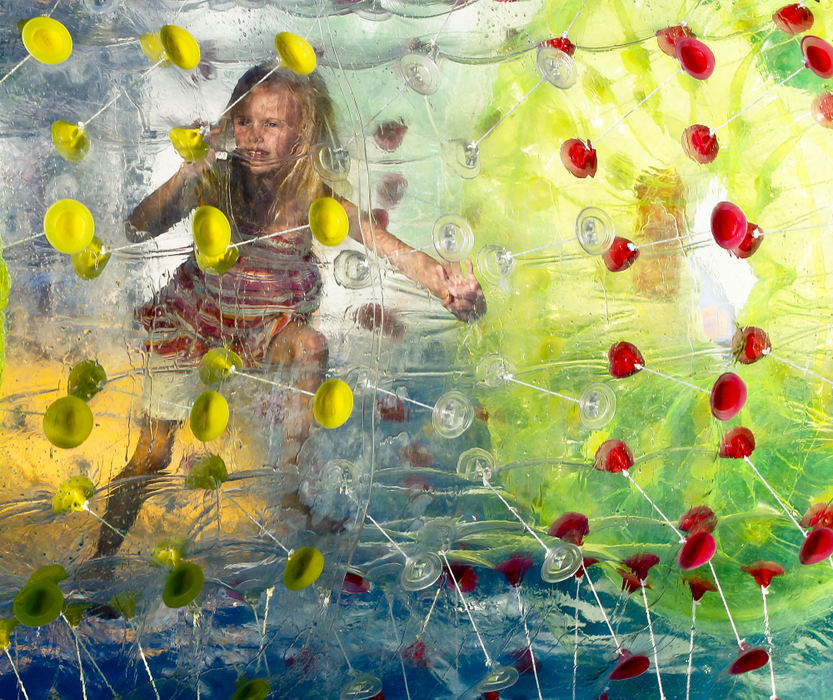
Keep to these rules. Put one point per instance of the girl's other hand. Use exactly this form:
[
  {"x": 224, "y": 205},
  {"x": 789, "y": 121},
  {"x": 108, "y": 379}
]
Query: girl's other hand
[{"x": 464, "y": 296}]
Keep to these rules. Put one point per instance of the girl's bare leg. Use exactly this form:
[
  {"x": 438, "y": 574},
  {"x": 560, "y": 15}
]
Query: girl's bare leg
[
  {"x": 152, "y": 455},
  {"x": 304, "y": 351}
]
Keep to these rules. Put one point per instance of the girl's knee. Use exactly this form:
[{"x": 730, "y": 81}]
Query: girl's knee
[{"x": 310, "y": 346}]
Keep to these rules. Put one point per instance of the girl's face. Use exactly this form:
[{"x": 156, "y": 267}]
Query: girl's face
[{"x": 266, "y": 127}]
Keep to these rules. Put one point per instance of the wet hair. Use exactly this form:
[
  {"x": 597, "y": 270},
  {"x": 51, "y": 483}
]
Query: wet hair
[{"x": 294, "y": 184}]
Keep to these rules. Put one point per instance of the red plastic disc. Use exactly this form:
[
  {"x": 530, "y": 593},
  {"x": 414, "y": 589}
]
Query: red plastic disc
[
  {"x": 629, "y": 666},
  {"x": 750, "y": 344},
  {"x": 698, "y": 549},
  {"x": 579, "y": 158},
  {"x": 750, "y": 243},
  {"x": 621, "y": 254},
  {"x": 818, "y": 56},
  {"x": 729, "y": 225},
  {"x": 613, "y": 456},
  {"x": 624, "y": 360},
  {"x": 823, "y": 109},
  {"x": 700, "y": 144},
  {"x": 562, "y": 43},
  {"x": 695, "y": 57},
  {"x": 728, "y": 396},
  {"x": 793, "y": 19},
  {"x": 738, "y": 443},
  {"x": 667, "y": 38},
  {"x": 818, "y": 545},
  {"x": 749, "y": 659}
]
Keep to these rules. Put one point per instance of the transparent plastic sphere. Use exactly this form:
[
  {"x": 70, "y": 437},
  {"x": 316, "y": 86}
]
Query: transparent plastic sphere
[
  {"x": 420, "y": 73},
  {"x": 493, "y": 371},
  {"x": 361, "y": 688},
  {"x": 475, "y": 464},
  {"x": 557, "y": 68},
  {"x": 452, "y": 415},
  {"x": 453, "y": 237},
  {"x": 465, "y": 159},
  {"x": 351, "y": 269},
  {"x": 594, "y": 230},
  {"x": 330, "y": 162},
  {"x": 498, "y": 678},
  {"x": 596, "y": 405},
  {"x": 421, "y": 571},
  {"x": 495, "y": 264},
  {"x": 439, "y": 534},
  {"x": 561, "y": 562}
]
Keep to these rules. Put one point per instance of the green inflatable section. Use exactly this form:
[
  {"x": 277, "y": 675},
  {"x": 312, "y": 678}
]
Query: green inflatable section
[{"x": 560, "y": 310}]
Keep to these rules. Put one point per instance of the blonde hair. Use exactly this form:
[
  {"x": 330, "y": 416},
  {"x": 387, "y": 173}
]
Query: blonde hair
[{"x": 291, "y": 187}]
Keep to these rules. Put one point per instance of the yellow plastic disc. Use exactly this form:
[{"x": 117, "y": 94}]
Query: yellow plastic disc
[
  {"x": 212, "y": 231},
  {"x": 38, "y": 603},
  {"x": 67, "y": 422},
  {"x": 68, "y": 226},
  {"x": 72, "y": 494},
  {"x": 90, "y": 262},
  {"x": 303, "y": 568},
  {"x": 47, "y": 40},
  {"x": 70, "y": 140},
  {"x": 207, "y": 473},
  {"x": 333, "y": 403},
  {"x": 209, "y": 416},
  {"x": 170, "y": 551},
  {"x": 152, "y": 46},
  {"x": 183, "y": 585},
  {"x": 86, "y": 379},
  {"x": 328, "y": 221},
  {"x": 6, "y": 627},
  {"x": 218, "y": 264},
  {"x": 295, "y": 52},
  {"x": 257, "y": 689},
  {"x": 217, "y": 366},
  {"x": 189, "y": 143},
  {"x": 181, "y": 48},
  {"x": 51, "y": 572}
]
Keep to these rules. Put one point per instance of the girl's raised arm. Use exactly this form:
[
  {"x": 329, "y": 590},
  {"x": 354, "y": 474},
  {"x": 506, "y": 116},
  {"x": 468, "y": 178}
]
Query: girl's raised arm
[
  {"x": 169, "y": 204},
  {"x": 460, "y": 293}
]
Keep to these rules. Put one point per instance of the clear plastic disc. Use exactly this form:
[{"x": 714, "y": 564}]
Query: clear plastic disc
[
  {"x": 452, "y": 415},
  {"x": 594, "y": 230},
  {"x": 361, "y": 688},
  {"x": 561, "y": 562},
  {"x": 493, "y": 371},
  {"x": 557, "y": 68},
  {"x": 439, "y": 534},
  {"x": 351, "y": 268},
  {"x": 420, "y": 73},
  {"x": 453, "y": 237},
  {"x": 332, "y": 163},
  {"x": 421, "y": 571},
  {"x": 465, "y": 159},
  {"x": 596, "y": 405},
  {"x": 499, "y": 678},
  {"x": 476, "y": 463},
  {"x": 495, "y": 264}
]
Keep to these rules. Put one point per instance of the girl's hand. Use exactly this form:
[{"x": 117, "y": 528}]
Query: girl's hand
[
  {"x": 195, "y": 170},
  {"x": 464, "y": 297}
]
